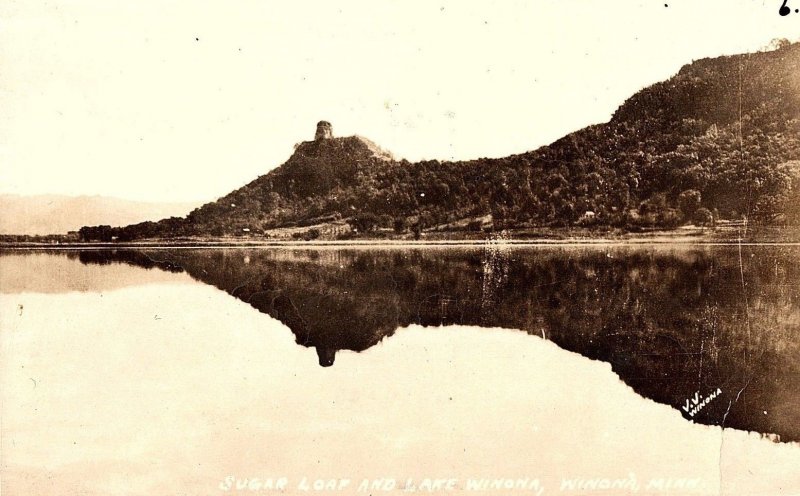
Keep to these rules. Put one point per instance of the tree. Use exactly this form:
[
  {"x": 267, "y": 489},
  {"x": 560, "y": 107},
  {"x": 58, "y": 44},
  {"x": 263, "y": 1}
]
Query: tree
[
  {"x": 777, "y": 192},
  {"x": 653, "y": 205},
  {"x": 385, "y": 220},
  {"x": 363, "y": 222},
  {"x": 399, "y": 225},
  {"x": 499, "y": 217},
  {"x": 777, "y": 44},
  {"x": 703, "y": 217},
  {"x": 416, "y": 228},
  {"x": 689, "y": 202}
]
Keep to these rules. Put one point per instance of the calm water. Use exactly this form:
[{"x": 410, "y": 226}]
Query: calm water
[{"x": 257, "y": 362}]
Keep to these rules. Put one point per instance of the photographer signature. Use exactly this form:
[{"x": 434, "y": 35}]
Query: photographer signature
[{"x": 696, "y": 403}]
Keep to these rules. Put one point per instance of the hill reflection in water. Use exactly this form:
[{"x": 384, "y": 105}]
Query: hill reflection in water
[{"x": 676, "y": 324}]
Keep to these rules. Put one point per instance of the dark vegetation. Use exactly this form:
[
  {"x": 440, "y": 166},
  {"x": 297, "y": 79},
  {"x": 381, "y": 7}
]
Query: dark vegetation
[{"x": 720, "y": 140}]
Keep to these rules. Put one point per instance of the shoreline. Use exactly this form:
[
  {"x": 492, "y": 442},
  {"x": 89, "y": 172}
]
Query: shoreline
[
  {"x": 719, "y": 236},
  {"x": 355, "y": 244}
]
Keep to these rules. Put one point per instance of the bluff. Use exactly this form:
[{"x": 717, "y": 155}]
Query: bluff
[{"x": 720, "y": 139}]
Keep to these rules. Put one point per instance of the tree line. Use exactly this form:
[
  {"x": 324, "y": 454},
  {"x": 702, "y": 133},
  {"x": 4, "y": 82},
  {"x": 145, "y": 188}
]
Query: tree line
[{"x": 720, "y": 140}]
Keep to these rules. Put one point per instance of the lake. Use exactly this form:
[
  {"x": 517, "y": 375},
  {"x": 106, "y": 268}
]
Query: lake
[{"x": 492, "y": 369}]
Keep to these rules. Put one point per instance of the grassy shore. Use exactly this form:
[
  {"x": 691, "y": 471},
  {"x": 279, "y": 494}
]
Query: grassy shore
[{"x": 721, "y": 234}]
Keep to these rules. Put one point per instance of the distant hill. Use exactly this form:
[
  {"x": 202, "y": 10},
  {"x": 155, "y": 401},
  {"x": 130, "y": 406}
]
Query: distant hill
[
  {"x": 58, "y": 214},
  {"x": 721, "y": 139}
]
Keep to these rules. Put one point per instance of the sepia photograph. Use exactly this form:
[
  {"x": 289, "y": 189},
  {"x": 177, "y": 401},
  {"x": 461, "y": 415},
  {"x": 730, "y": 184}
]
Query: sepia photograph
[{"x": 399, "y": 248}]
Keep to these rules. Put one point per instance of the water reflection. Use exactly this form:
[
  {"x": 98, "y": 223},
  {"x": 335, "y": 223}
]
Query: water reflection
[{"x": 676, "y": 324}]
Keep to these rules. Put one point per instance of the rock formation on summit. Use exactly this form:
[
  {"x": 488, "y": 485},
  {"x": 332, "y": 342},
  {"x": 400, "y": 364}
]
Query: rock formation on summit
[{"x": 324, "y": 131}]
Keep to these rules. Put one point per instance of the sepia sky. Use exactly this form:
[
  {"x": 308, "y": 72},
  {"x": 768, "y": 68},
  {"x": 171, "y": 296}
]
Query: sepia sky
[{"x": 184, "y": 101}]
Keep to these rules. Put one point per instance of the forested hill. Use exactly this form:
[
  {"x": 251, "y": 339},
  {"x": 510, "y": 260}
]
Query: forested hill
[{"x": 721, "y": 138}]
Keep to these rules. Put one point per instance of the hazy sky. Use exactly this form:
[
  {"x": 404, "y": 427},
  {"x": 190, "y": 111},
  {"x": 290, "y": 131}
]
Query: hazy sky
[{"x": 181, "y": 101}]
